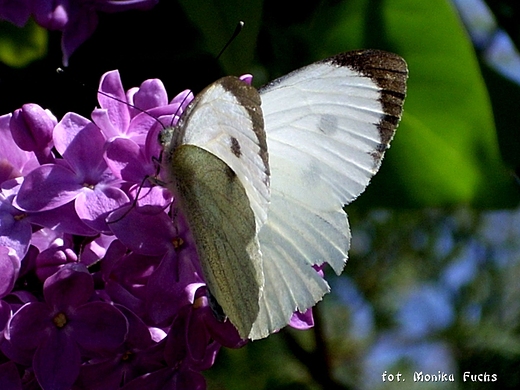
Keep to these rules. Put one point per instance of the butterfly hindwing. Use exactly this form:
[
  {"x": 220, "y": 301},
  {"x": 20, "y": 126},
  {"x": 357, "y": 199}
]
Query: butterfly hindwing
[
  {"x": 327, "y": 126},
  {"x": 223, "y": 226}
]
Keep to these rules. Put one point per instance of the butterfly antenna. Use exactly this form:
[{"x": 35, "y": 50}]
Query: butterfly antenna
[
  {"x": 134, "y": 203},
  {"x": 238, "y": 29},
  {"x": 179, "y": 108}
]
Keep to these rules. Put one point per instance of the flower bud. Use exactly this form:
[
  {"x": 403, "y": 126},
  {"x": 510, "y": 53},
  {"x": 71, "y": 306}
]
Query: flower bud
[{"x": 31, "y": 127}]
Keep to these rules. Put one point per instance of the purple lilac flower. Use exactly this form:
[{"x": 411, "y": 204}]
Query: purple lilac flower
[
  {"x": 31, "y": 128},
  {"x": 138, "y": 355},
  {"x": 100, "y": 284},
  {"x": 81, "y": 175},
  {"x": 76, "y": 19},
  {"x": 15, "y": 11},
  {"x": 14, "y": 162},
  {"x": 54, "y": 334},
  {"x": 9, "y": 377}
]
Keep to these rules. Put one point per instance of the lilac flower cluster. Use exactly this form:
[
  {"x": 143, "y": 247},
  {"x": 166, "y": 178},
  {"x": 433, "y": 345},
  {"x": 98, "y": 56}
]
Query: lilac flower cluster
[
  {"x": 76, "y": 19},
  {"x": 99, "y": 290}
]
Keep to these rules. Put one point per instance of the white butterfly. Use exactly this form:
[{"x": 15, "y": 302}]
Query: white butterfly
[{"x": 262, "y": 177}]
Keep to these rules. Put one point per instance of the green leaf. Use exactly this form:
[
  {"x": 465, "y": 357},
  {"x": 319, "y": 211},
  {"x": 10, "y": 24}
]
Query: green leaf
[
  {"x": 446, "y": 150},
  {"x": 21, "y": 46}
]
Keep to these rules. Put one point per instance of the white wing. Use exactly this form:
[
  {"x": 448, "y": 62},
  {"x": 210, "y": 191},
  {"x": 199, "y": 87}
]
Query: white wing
[{"x": 327, "y": 126}]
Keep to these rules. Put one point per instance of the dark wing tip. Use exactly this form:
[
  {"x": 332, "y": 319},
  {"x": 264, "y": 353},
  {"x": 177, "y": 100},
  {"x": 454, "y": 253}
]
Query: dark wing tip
[{"x": 389, "y": 72}]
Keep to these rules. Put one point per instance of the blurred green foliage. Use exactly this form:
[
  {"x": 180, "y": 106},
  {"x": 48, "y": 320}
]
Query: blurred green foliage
[
  {"x": 425, "y": 232},
  {"x": 20, "y": 46}
]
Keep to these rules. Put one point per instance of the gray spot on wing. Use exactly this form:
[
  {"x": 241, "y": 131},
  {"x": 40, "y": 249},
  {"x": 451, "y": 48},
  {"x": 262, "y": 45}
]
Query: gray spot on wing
[
  {"x": 312, "y": 174},
  {"x": 328, "y": 124},
  {"x": 249, "y": 98},
  {"x": 235, "y": 147},
  {"x": 388, "y": 71}
]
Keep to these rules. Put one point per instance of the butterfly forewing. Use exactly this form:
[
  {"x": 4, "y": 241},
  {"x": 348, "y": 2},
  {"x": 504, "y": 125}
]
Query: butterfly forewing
[
  {"x": 327, "y": 126},
  {"x": 226, "y": 120}
]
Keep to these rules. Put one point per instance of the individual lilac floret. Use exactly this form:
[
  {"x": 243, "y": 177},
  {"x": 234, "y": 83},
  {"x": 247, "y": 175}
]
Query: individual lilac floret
[
  {"x": 137, "y": 355},
  {"x": 63, "y": 219},
  {"x": 132, "y": 133},
  {"x": 31, "y": 128},
  {"x": 54, "y": 334},
  {"x": 15, "y": 228},
  {"x": 305, "y": 320},
  {"x": 78, "y": 19},
  {"x": 191, "y": 346},
  {"x": 302, "y": 321},
  {"x": 14, "y": 162},
  {"x": 82, "y": 175},
  {"x": 9, "y": 268},
  {"x": 247, "y": 78}
]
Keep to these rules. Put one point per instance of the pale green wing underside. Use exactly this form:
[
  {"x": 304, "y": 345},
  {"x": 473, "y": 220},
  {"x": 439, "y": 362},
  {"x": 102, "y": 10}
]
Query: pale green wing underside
[{"x": 223, "y": 226}]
